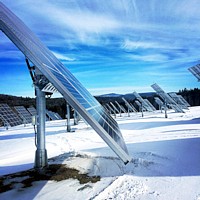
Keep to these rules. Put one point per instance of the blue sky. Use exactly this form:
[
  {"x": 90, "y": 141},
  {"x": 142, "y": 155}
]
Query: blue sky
[{"x": 116, "y": 46}]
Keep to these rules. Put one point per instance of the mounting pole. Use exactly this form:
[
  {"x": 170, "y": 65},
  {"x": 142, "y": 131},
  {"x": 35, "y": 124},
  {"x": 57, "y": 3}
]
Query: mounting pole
[
  {"x": 75, "y": 118},
  {"x": 142, "y": 109},
  {"x": 165, "y": 107},
  {"x": 68, "y": 118},
  {"x": 41, "y": 153},
  {"x": 128, "y": 112}
]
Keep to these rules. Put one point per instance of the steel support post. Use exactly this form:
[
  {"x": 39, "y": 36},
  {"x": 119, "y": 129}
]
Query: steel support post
[
  {"x": 75, "y": 118},
  {"x": 41, "y": 153},
  {"x": 165, "y": 107},
  {"x": 68, "y": 119},
  {"x": 142, "y": 110}
]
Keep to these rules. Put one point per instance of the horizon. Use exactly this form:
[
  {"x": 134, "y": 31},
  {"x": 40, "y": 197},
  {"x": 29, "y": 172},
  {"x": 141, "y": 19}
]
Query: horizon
[{"x": 112, "y": 47}]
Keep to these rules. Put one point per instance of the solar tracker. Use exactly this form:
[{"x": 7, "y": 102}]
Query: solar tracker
[
  {"x": 24, "y": 114},
  {"x": 130, "y": 108},
  {"x": 114, "y": 107},
  {"x": 110, "y": 109},
  {"x": 62, "y": 79},
  {"x": 59, "y": 117},
  {"x": 51, "y": 115},
  {"x": 159, "y": 102},
  {"x": 8, "y": 117},
  {"x": 178, "y": 100},
  {"x": 149, "y": 104},
  {"x": 133, "y": 107},
  {"x": 121, "y": 107},
  {"x": 32, "y": 111},
  {"x": 141, "y": 100},
  {"x": 166, "y": 98},
  {"x": 195, "y": 70},
  {"x": 141, "y": 108},
  {"x": 186, "y": 103}
]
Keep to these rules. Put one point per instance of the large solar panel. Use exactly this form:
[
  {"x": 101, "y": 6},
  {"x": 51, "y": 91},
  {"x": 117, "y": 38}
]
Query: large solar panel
[
  {"x": 62, "y": 79},
  {"x": 166, "y": 98},
  {"x": 195, "y": 70},
  {"x": 8, "y": 117},
  {"x": 141, "y": 100},
  {"x": 24, "y": 114}
]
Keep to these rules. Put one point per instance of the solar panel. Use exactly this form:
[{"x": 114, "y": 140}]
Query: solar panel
[
  {"x": 110, "y": 109},
  {"x": 51, "y": 115},
  {"x": 128, "y": 105},
  {"x": 62, "y": 79},
  {"x": 141, "y": 100},
  {"x": 186, "y": 103},
  {"x": 24, "y": 114},
  {"x": 114, "y": 107},
  {"x": 133, "y": 107},
  {"x": 140, "y": 106},
  {"x": 8, "y": 117},
  {"x": 178, "y": 100},
  {"x": 121, "y": 107},
  {"x": 60, "y": 118},
  {"x": 195, "y": 70},
  {"x": 149, "y": 104},
  {"x": 166, "y": 98},
  {"x": 158, "y": 101},
  {"x": 32, "y": 111}
]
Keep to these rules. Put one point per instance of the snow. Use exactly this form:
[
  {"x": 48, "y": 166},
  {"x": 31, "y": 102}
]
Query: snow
[{"x": 165, "y": 164}]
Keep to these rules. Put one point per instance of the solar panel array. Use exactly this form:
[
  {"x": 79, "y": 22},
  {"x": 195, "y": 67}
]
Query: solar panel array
[
  {"x": 195, "y": 70},
  {"x": 141, "y": 100},
  {"x": 8, "y": 117},
  {"x": 24, "y": 114},
  {"x": 166, "y": 98},
  {"x": 62, "y": 79}
]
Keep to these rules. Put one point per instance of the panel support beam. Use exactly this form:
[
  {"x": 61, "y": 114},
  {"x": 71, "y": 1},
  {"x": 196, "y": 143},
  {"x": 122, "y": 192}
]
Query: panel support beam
[
  {"x": 41, "y": 152},
  {"x": 68, "y": 118}
]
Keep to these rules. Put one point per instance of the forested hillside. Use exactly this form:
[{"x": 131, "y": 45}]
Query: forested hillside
[{"x": 59, "y": 105}]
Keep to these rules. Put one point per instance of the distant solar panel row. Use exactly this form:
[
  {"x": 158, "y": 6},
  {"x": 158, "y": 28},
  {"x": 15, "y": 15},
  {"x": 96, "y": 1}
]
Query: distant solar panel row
[
  {"x": 8, "y": 117},
  {"x": 71, "y": 89}
]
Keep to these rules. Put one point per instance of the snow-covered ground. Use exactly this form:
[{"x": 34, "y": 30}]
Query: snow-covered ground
[{"x": 165, "y": 165}]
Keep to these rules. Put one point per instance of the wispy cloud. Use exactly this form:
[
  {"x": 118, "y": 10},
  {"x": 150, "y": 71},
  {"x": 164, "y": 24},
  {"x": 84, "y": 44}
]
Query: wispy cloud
[{"x": 114, "y": 46}]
